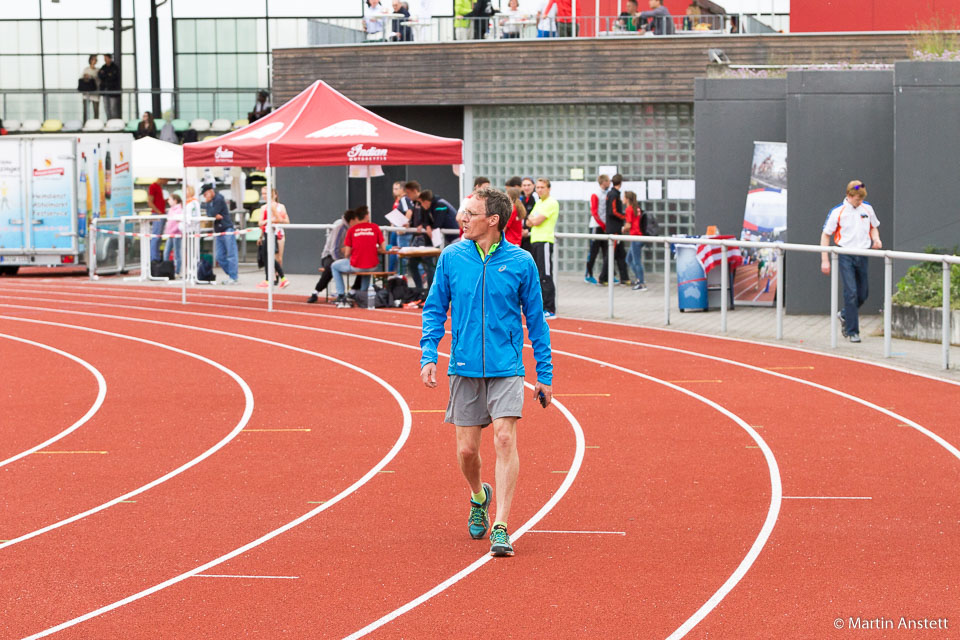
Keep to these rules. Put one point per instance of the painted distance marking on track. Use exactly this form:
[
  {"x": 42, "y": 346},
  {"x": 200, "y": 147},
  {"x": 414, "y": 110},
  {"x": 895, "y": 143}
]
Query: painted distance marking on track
[
  {"x": 247, "y": 411},
  {"x": 98, "y": 401}
]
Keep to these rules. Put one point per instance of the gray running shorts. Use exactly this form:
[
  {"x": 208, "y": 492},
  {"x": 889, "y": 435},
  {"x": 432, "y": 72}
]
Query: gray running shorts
[{"x": 476, "y": 402}]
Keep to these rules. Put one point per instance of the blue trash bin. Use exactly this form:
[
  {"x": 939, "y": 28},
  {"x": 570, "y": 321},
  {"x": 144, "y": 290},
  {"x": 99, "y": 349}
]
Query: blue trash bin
[{"x": 691, "y": 280}]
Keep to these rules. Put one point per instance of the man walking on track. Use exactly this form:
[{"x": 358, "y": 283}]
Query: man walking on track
[{"x": 486, "y": 283}]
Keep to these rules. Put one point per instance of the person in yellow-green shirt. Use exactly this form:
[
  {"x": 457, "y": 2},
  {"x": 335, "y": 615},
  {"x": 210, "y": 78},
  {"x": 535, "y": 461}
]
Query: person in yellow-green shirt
[{"x": 542, "y": 222}]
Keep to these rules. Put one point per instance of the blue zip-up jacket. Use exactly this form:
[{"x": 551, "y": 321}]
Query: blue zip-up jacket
[{"x": 486, "y": 299}]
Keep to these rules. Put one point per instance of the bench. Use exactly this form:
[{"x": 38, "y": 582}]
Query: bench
[{"x": 383, "y": 275}]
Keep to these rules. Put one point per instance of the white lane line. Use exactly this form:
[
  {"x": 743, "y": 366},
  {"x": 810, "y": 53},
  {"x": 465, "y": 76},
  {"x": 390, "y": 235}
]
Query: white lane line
[
  {"x": 827, "y": 498},
  {"x": 560, "y": 492},
  {"x": 776, "y": 491},
  {"x": 370, "y": 474},
  {"x": 215, "y": 575},
  {"x": 248, "y": 409},
  {"x": 98, "y": 401},
  {"x": 592, "y": 533}
]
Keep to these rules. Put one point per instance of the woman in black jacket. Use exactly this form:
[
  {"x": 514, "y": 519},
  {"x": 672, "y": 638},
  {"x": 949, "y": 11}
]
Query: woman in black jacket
[{"x": 146, "y": 128}]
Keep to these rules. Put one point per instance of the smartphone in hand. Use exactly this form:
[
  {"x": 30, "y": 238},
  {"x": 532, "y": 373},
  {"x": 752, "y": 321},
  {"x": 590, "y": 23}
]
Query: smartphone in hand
[{"x": 543, "y": 399}]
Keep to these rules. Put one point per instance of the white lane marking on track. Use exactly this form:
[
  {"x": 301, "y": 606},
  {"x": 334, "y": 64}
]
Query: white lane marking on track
[
  {"x": 641, "y": 344},
  {"x": 565, "y": 485},
  {"x": 248, "y": 409},
  {"x": 222, "y": 575},
  {"x": 404, "y": 435},
  {"x": 98, "y": 401},
  {"x": 827, "y": 498}
]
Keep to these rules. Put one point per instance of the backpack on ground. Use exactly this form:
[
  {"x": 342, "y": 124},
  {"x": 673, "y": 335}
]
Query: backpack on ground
[
  {"x": 205, "y": 271},
  {"x": 649, "y": 225},
  {"x": 400, "y": 292},
  {"x": 163, "y": 269}
]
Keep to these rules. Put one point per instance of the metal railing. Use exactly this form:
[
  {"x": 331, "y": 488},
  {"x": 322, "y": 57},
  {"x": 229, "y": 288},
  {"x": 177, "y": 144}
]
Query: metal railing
[
  {"x": 505, "y": 26},
  {"x": 780, "y": 248},
  {"x": 67, "y": 104}
]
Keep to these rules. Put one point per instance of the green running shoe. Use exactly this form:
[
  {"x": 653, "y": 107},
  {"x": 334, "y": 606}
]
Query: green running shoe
[
  {"x": 479, "y": 518},
  {"x": 500, "y": 542}
]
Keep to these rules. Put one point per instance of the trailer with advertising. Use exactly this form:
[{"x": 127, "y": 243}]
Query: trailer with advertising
[{"x": 52, "y": 187}]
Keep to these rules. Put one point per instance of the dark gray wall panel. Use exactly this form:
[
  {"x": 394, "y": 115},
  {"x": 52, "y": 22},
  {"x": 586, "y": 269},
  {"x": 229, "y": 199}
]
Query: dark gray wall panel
[
  {"x": 927, "y": 156},
  {"x": 839, "y": 128},
  {"x": 729, "y": 114}
]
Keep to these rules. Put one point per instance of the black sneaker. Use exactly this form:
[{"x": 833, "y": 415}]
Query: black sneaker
[
  {"x": 342, "y": 302},
  {"x": 639, "y": 287},
  {"x": 500, "y": 546},
  {"x": 313, "y": 297},
  {"x": 479, "y": 517}
]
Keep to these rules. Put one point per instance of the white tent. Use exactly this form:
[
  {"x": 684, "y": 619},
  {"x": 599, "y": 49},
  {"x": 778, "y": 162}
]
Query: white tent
[{"x": 154, "y": 158}]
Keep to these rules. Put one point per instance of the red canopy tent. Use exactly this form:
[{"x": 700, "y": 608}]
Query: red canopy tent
[{"x": 320, "y": 127}]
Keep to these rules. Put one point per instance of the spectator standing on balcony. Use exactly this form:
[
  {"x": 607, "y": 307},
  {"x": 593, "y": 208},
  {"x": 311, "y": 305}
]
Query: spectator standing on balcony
[
  {"x": 109, "y": 77},
  {"x": 147, "y": 128},
  {"x": 261, "y": 107},
  {"x": 547, "y": 20},
  {"x": 657, "y": 19},
  {"x": 157, "y": 202},
  {"x": 852, "y": 224},
  {"x": 510, "y": 20},
  {"x": 629, "y": 19},
  {"x": 542, "y": 222},
  {"x": 480, "y": 17},
  {"x": 399, "y": 32},
  {"x": 461, "y": 26},
  {"x": 88, "y": 85},
  {"x": 373, "y": 21},
  {"x": 564, "y": 15},
  {"x": 597, "y": 225}
]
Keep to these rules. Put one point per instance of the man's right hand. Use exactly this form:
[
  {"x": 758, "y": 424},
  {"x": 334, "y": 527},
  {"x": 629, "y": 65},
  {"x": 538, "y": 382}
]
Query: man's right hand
[
  {"x": 825, "y": 267},
  {"x": 428, "y": 374}
]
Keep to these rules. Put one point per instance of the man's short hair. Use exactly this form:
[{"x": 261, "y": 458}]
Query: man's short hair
[
  {"x": 413, "y": 185},
  {"x": 617, "y": 179},
  {"x": 479, "y": 180},
  {"x": 602, "y": 178},
  {"x": 498, "y": 204},
  {"x": 515, "y": 181},
  {"x": 361, "y": 212},
  {"x": 544, "y": 181},
  {"x": 427, "y": 195},
  {"x": 349, "y": 215}
]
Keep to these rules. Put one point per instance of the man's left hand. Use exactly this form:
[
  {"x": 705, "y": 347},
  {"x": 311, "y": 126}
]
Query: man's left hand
[
  {"x": 218, "y": 217},
  {"x": 547, "y": 393},
  {"x": 876, "y": 244}
]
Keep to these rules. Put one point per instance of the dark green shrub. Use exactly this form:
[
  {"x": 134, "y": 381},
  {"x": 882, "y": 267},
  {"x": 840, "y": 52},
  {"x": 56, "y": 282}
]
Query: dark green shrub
[{"x": 922, "y": 286}]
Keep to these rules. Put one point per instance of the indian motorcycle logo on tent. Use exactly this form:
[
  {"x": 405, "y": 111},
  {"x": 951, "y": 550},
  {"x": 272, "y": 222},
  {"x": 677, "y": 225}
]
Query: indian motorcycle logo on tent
[
  {"x": 357, "y": 153},
  {"x": 222, "y": 154},
  {"x": 346, "y": 128}
]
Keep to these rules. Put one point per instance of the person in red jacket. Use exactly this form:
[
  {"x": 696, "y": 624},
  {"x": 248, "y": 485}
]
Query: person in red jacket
[
  {"x": 513, "y": 232},
  {"x": 632, "y": 227},
  {"x": 597, "y": 225},
  {"x": 564, "y": 16}
]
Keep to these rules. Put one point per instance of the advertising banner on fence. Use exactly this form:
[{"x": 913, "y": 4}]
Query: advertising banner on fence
[
  {"x": 764, "y": 220},
  {"x": 11, "y": 201}
]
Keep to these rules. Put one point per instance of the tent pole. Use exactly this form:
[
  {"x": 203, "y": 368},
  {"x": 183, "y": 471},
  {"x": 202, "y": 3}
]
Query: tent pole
[
  {"x": 596, "y": 19},
  {"x": 184, "y": 255},
  {"x": 368, "y": 192},
  {"x": 271, "y": 247}
]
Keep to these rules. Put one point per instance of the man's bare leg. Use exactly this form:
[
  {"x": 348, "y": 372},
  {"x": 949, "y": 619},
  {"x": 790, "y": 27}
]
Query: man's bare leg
[
  {"x": 508, "y": 464},
  {"x": 468, "y": 455}
]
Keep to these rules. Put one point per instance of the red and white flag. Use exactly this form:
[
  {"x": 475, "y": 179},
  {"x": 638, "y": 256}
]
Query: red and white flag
[{"x": 711, "y": 255}]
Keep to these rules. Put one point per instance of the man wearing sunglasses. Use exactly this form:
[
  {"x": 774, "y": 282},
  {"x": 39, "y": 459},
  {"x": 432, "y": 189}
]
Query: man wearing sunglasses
[{"x": 852, "y": 224}]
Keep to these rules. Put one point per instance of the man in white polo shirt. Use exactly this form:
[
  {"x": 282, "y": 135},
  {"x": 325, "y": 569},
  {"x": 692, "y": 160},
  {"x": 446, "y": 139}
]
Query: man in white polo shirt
[{"x": 852, "y": 224}]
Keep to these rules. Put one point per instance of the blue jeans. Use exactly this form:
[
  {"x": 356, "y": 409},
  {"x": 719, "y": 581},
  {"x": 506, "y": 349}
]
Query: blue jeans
[
  {"x": 342, "y": 266},
  {"x": 156, "y": 228},
  {"x": 853, "y": 276},
  {"x": 226, "y": 252},
  {"x": 635, "y": 260},
  {"x": 395, "y": 262},
  {"x": 173, "y": 246}
]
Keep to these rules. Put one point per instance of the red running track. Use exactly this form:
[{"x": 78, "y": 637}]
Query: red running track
[{"x": 680, "y": 489}]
